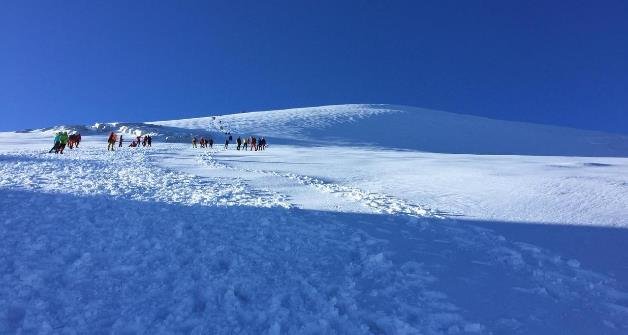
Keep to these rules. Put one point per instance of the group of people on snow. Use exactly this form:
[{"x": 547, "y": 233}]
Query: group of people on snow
[
  {"x": 203, "y": 142},
  {"x": 62, "y": 139},
  {"x": 145, "y": 141},
  {"x": 251, "y": 143}
]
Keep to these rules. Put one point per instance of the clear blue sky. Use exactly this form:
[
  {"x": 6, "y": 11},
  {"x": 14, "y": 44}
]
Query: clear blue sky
[{"x": 77, "y": 62}]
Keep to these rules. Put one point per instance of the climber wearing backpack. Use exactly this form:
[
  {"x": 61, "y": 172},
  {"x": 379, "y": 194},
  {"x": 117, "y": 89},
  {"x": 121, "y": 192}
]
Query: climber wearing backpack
[
  {"x": 111, "y": 140},
  {"x": 63, "y": 141},
  {"x": 57, "y": 143}
]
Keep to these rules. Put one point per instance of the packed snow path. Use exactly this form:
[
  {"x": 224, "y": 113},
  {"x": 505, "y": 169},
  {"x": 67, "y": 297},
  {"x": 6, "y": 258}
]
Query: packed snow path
[
  {"x": 119, "y": 242},
  {"x": 379, "y": 203}
]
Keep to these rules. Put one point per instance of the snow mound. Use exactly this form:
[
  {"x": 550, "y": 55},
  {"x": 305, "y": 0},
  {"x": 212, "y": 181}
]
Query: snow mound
[{"x": 131, "y": 129}]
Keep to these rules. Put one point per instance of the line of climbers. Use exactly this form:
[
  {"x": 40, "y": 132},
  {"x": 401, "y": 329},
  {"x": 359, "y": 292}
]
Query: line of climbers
[
  {"x": 62, "y": 139},
  {"x": 145, "y": 141},
  {"x": 250, "y": 143},
  {"x": 203, "y": 142}
]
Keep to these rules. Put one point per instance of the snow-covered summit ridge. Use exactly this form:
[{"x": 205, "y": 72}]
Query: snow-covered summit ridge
[
  {"x": 403, "y": 127},
  {"x": 386, "y": 126}
]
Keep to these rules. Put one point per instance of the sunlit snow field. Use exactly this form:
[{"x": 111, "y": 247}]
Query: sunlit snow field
[{"x": 356, "y": 219}]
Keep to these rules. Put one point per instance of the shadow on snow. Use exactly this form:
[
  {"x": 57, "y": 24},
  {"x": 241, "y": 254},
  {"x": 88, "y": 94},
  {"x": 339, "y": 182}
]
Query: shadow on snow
[{"x": 113, "y": 264}]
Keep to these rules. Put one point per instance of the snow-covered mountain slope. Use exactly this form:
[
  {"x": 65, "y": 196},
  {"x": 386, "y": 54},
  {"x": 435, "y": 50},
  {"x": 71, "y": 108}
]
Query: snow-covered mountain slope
[
  {"x": 328, "y": 231},
  {"x": 411, "y": 128},
  {"x": 174, "y": 239},
  {"x": 385, "y": 126},
  {"x": 515, "y": 188}
]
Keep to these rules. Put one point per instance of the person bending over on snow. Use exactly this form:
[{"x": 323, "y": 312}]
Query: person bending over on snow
[
  {"x": 57, "y": 143},
  {"x": 73, "y": 140},
  {"x": 63, "y": 141},
  {"x": 111, "y": 141}
]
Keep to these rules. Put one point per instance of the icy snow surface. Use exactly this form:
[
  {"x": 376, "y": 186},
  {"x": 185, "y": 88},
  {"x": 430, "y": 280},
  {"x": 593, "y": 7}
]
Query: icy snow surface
[{"x": 358, "y": 219}]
